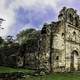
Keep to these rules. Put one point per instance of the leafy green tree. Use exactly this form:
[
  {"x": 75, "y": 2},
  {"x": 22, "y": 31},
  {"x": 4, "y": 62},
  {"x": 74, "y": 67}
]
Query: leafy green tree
[
  {"x": 7, "y": 53},
  {"x": 8, "y": 50},
  {"x": 26, "y": 35},
  {"x": 28, "y": 40}
]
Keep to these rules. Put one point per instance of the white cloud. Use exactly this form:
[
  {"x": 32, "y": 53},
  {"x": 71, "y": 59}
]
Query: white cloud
[
  {"x": 56, "y": 4},
  {"x": 34, "y": 3},
  {"x": 8, "y": 13}
]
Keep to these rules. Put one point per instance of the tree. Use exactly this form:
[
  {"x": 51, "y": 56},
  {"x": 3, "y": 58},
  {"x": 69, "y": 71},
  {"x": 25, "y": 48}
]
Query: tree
[
  {"x": 7, "y": 49},
  {"x": 1, "y": 40},
  {"x": 9, "y": 39},
  {"x": 7, "y": 53},
  {"x": 28, "y": 40},
  {"x": 26, "y": 35}
]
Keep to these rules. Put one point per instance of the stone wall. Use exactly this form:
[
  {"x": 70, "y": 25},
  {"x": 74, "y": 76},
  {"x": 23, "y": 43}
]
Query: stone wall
[{"x": 60, "y": 40}]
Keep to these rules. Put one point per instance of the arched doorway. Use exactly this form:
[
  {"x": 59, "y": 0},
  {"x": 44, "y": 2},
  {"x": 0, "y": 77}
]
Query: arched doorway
[
  {"x": 19, "y": 61},
  {"x": 74, "y": 61}
]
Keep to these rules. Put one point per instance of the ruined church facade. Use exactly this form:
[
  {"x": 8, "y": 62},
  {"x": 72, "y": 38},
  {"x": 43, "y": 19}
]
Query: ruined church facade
[{"x": 60, "y": 43}]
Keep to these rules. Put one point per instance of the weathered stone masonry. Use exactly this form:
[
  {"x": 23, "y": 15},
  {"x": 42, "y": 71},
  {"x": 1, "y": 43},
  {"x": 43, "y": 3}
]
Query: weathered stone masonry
[{"x": 60, "y": 43}]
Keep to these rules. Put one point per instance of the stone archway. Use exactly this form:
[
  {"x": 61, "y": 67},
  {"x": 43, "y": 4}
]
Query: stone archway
[
  {"x": 19, "y": 61},
  {"x": 74, "y": 61}
]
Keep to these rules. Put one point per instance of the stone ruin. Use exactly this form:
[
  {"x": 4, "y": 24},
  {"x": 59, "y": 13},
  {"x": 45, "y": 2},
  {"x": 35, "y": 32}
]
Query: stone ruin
[{"x": 60, "y": 43}]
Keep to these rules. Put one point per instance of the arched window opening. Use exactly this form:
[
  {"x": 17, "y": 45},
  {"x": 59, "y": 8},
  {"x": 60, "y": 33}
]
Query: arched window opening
[
  {"x": 57, "y": 57},
  {"x": 63, "y": 34},
  {"x": 75, "y": 52},
  {"x": 74, "y": 33}
]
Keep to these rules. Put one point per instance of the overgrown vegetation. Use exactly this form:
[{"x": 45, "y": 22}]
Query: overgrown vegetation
[
  {"x": 26, "y": 42},
  {"x": 10, "y": 70},
  {"x": 56, "y": 76}
]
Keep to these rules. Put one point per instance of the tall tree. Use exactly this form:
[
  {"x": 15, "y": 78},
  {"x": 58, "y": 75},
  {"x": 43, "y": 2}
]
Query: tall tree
[{"x": 28, "y": 40}]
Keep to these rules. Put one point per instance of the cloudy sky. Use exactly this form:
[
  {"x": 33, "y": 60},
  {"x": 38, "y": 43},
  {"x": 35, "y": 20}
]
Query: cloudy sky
[{"x": 22, "y": 14}]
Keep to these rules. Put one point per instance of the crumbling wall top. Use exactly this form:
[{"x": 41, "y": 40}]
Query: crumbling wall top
[{"x": 69, "y": 15}]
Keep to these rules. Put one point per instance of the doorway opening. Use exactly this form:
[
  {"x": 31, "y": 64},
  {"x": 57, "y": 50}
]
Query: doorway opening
[{"x": 74, "y": 61}]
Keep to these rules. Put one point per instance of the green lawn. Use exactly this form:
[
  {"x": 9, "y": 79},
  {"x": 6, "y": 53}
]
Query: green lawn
[
  {"x": 10, "y": 70},
  {"x": 56, "y": 76}
]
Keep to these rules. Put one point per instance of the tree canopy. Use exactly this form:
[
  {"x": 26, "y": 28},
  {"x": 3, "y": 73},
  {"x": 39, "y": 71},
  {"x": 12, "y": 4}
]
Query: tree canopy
[
  {"x": 26, "y": 35},
  {"x": 29, "y": 38}
]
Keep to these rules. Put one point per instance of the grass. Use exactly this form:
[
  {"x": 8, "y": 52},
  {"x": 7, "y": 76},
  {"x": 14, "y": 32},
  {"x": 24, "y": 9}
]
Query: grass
[
  {"x": 10, "y": 70},
  {"x": 56, "y": 76}
]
